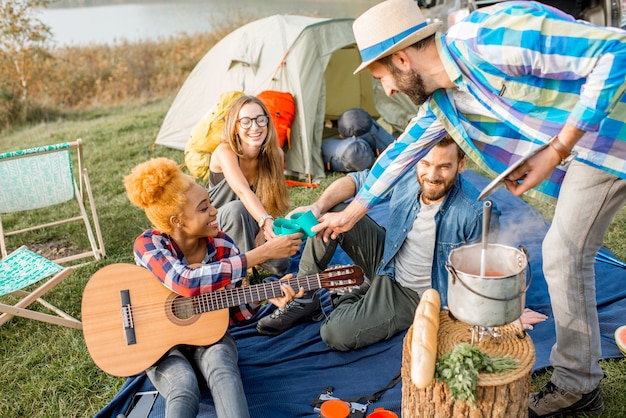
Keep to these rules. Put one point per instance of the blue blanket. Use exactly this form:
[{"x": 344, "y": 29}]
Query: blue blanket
[{"x": 282, "y": 375}]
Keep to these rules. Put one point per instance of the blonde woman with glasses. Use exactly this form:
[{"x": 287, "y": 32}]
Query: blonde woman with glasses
[{"x": 246, "y": 178}]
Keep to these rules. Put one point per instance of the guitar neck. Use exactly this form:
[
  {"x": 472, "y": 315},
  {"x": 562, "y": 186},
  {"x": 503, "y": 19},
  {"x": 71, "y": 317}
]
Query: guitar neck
[
  {"x": 227, "y": 298},
  {"x": 154, "y": 319}
]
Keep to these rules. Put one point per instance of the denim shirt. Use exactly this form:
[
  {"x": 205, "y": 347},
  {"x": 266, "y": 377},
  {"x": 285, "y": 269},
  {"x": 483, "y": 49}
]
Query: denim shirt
[{"x": 458, "y": 221}]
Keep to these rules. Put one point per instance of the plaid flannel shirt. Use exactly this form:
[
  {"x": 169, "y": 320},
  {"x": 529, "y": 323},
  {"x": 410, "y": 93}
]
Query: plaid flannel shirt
[
  {"x": 534, "y": 69},
  {"x": 223, "y": 266}
]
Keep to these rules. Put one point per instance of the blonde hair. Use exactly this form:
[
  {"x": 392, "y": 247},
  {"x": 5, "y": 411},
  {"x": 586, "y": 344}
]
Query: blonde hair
[
  {"x": 158, "y": 186},
  {"x": 270, "y": 186}
]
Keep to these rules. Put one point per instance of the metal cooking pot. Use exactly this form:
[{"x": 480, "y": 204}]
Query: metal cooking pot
[{"x": 498, "y": 297}]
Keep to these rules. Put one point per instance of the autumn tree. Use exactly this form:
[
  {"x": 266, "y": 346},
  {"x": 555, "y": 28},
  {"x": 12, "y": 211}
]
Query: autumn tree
[{"x": 23, "y": 43}]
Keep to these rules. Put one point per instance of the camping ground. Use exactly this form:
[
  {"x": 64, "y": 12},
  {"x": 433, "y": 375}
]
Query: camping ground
[
  {"x": 45, "y": 370},
  {"x": 116, "y": 99}
]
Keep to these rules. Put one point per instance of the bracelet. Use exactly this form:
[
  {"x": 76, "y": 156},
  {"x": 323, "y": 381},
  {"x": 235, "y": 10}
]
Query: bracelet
[
  {"x": 566, "y": 155},
  {"x": 263, "y": 219},
  {"x": 559, "y": 147}
]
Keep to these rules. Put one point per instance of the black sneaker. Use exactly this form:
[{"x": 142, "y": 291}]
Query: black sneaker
[
  {"x": 552, "y": 401},
  {"x": 296, "y": 311}
]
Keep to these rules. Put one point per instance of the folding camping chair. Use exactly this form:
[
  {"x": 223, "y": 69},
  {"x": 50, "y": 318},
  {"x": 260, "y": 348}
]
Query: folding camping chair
[
  {"x": 40, "y": 177},
  {"x": 22, "y": 269}
]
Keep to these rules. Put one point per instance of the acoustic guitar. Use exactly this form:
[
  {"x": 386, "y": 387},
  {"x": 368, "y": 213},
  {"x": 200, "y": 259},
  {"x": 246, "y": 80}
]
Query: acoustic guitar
[{"x": 130, "y": 320}]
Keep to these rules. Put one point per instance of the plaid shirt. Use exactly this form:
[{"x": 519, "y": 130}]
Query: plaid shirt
[
  {"x": 223, "y": 266},
  {"x": 525, "y": 70}
]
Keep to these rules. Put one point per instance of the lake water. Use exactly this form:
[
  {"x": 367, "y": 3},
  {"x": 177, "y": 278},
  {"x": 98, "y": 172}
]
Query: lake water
[{"x": 152, "y": 20}]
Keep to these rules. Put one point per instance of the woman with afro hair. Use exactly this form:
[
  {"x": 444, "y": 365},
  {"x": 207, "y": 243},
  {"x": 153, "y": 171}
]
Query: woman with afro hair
[{"x": 188, "y": 253}]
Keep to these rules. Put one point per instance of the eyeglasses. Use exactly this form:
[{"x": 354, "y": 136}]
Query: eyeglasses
[{"x": 261, "y": 121}]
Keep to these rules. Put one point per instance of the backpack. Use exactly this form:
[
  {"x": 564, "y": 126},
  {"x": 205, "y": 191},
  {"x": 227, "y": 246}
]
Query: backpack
[
  {"x": 358, "y": 123},
  {"x": 347, "y": 154},
  {"x": 206, "y": 136},
  {"x": 361, "y": 140},
  {"x": 282, "y": 109}
]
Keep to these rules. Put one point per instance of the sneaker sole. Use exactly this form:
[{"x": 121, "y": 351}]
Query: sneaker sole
[
  {"x": 576, "y": 410},
  {"x": 567, "y": 414}
]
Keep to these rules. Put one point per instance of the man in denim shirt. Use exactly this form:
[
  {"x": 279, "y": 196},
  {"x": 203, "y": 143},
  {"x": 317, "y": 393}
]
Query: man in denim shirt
[{"x": 428, "y": 218}]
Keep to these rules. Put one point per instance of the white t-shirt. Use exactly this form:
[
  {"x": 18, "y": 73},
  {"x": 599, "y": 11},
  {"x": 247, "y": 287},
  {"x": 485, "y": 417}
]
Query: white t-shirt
[{"x": 414, "y": 260}]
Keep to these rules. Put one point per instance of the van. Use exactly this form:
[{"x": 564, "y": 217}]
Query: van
[{"x": 598, "y": 12}]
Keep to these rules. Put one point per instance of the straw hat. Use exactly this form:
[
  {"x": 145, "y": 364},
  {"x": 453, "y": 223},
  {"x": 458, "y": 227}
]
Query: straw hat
[{"x": 389, "y": 27}]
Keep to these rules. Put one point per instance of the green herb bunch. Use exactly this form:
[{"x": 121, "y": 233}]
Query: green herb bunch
[{"x": 460, "y": 367}]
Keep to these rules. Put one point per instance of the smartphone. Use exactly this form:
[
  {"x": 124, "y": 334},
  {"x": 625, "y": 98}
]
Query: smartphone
[{"x": 141, "y": 405}]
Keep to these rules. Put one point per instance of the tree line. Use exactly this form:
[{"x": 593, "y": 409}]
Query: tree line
[{"x": 42, "y": 82}]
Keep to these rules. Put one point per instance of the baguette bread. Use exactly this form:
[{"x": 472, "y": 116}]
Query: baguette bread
[{"x": 424, "y": 339}]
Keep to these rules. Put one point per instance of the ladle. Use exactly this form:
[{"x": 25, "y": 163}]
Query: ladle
[
  {"x": 482, "y": 331},
  {"x": 487, "y": 204}
]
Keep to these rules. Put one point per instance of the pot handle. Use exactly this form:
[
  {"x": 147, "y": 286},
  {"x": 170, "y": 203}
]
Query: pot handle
[
  {"x": 522, "y": 247},
  {"x": 452, "y": 272}
]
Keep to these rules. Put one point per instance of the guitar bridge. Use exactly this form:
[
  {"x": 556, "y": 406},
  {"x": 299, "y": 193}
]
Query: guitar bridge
[{"x": 127, "y": 318}]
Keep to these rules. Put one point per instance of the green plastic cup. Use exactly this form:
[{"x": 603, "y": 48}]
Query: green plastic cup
[
  {"x": 307, "y": 221},
  {"x": 289, "y": 228},
  {"x": 278, "y": 225}
]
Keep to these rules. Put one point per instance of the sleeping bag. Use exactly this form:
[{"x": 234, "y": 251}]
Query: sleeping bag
[
  {"x": 357, "y": 122},
  {"x": 361, "y": 141},
  {"x": 347, "y": 154}
]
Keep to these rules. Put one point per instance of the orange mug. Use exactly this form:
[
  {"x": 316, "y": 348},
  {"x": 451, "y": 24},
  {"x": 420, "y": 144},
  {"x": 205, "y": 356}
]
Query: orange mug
[
  {"x": 335, "y": 408},
  {"x": 382, "y": 413}
]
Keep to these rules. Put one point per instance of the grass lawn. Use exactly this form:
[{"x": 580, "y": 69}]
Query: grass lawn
[{"x": 45, "y": 370}]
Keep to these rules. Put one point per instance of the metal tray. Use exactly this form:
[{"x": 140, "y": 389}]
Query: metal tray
[{"x": 499, "y": 181}]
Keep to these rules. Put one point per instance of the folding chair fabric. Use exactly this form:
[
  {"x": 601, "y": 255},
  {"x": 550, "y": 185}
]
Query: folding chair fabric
[
  {"x": 43, "y": 176},
  {"x": 24, "y": 269},
  {"x": 53, "y": 185}
]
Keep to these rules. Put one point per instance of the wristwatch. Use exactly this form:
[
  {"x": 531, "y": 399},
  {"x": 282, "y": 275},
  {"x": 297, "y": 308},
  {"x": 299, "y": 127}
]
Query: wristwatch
[
  {"x": 566, "y": 155},
  {"x": 263, "y": 219}
]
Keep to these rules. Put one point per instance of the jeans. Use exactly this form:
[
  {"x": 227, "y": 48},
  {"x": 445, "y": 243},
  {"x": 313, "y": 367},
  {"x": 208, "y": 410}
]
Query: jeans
[
  {"x": 234, "y": 219},
  {"x": 588, "y": 201},
  {"x": 361, "y": 320},
  {"x": 175, "y": 379}
]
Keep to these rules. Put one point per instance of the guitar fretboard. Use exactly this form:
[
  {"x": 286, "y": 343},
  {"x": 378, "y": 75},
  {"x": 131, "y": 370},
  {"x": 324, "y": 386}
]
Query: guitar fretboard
[{"x": 227, "y": 298}]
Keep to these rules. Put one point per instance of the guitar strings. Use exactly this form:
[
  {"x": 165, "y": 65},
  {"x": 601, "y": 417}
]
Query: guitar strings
[{"x": 225, "y": 298}]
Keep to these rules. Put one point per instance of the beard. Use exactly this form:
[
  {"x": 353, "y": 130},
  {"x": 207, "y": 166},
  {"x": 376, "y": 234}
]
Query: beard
[
  {"x": 411, "y": 84},
  {"x": 431, "y": 195}
]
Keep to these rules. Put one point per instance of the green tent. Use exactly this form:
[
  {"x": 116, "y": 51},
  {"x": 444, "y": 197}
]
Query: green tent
[{"x": 311, "y": 58}]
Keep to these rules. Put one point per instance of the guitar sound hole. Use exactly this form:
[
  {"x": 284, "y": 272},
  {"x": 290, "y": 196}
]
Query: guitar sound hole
[{"x": 180, "y": 310}]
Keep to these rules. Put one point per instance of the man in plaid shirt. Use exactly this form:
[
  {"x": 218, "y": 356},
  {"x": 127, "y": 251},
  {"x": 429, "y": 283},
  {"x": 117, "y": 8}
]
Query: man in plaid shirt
[{"x": 502, "y": 82}]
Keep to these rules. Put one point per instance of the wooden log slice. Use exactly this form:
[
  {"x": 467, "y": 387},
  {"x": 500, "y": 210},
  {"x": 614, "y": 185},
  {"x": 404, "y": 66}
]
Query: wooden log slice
[{"x": 497, "y": 395}]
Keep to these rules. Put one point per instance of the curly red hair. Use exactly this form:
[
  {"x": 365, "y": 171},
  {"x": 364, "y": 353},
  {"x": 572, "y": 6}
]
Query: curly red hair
[{"x": 158, "y": 186}]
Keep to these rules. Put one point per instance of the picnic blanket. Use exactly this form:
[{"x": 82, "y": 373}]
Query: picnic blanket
[{"x": 282, "y": 375}]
